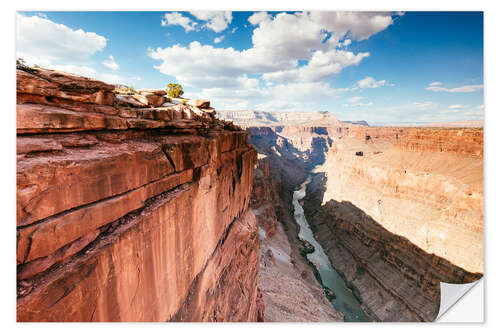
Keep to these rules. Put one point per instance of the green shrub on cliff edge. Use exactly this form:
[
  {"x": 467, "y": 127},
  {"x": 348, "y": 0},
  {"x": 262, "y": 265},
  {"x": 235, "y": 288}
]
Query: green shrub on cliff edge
[
  {"x": 22, "y": 65},
  {"x": 174, "y": 90}
]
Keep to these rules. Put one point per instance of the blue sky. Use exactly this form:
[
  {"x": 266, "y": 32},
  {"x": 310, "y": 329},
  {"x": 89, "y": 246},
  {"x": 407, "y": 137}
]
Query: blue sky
[{"x": 386, "y": 68}]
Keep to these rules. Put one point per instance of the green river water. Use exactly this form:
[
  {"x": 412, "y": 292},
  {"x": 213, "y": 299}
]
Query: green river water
[{"x": 345, "y": 301}]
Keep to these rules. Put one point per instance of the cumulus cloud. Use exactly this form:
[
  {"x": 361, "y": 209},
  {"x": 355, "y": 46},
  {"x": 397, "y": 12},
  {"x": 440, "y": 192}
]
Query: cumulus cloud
[
  {"x": 278, "y": 43},
  {"x": 177, "y": 18},
  {"x": 258, "y": 17},
  {"x": 461, "y": 89},
  {"x": 344, "y": 43},
  {"x": 218, "y": 39},
  {"x": 356, "y": 25},
  {"x": 356, "y": 102},
  {"x": 287, "y": 49},
  {"x": 355, "y": 99},
  {"x": 457, "y": 106},
  {"x": 202, "y": 65},
  {"x": 321, "y": 65},
  {"x": 111, "y": 63},
  {"x": 215, "y": 20},
  {"x": 370, "y": 82},
  {"x": 44, "y": 42}
]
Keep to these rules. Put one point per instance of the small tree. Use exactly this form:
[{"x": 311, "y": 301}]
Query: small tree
[{"x": 174, "y": 90}]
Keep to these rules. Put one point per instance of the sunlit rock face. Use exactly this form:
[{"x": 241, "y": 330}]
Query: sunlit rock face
[
  {"x": 423, "y": 184},
  {"x": 127, "y": 213}
]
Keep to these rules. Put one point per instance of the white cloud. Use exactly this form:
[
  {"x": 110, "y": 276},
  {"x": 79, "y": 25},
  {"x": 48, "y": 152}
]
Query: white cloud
[
  {"x": 111, "y": 63},
  {"x": 205, "y": 65},
  {"x": 259, "y": 17},
  {"x": 177, "y": 18},
  {"x": 421, "y": 105},
  {"x": 290, "y": 56},
  {"x": 462, "y": 89},
  {"x": 345, "y": 43},
  {"x": 370, "y": 82},
  {"x": 356, "y": 25},
  {"x": 436, "y": 83},
  {"x": 321, "y": 65},
  {"x": 457, "y": 106},
  {"x": 44, "y": 42},
  {"x": 355, "y": 99},
  {"x": 216, "y": 20},
  {"x": 218, "y": 39}
]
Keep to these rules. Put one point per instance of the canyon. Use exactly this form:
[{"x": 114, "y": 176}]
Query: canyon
[
  {"x": 137, "y": 207},
  {"x": 396, "y": 209}
]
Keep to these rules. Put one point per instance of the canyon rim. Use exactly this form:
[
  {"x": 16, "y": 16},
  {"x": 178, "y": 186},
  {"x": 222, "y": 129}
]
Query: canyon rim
[{"x": 305, "y": 178}]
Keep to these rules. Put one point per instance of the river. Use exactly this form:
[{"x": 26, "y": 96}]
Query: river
[{"x": 345, "y": 301}]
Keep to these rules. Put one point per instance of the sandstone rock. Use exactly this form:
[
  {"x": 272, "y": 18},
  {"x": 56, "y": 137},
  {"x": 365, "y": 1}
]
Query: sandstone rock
[
  {"x": 200, "y": 103},
  {"x": 154, "y": 100},
  {"x": 73, "y": 81},
  {"x": 33, "y": 118},
  {"x": 129, "y": 100},
  {"x": 45, "y": 189},
  {"x": 159, "y": 92},
  {"x": 64, "y": 86},
  {"x": 140, "y": 98}
]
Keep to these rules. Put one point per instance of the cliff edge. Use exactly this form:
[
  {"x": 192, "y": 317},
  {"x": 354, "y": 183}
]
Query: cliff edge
[{"x": 130, "y": 211}]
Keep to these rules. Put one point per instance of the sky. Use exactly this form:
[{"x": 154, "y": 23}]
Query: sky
[{"x": 382, "y": 67}]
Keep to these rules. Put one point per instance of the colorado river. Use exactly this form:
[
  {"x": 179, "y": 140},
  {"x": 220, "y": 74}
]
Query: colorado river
[{"x": 345, "y": 301}]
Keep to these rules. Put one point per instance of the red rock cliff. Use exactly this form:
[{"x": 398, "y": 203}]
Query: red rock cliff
[{"x": 127, "y": 213}]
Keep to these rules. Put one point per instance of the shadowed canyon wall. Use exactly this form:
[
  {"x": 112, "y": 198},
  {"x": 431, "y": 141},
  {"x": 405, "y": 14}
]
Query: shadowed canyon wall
[{"x": 128, "y": 213}]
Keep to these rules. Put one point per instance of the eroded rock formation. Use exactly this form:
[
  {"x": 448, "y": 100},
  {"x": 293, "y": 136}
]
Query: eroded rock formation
[{"x": 127, "y": 213}]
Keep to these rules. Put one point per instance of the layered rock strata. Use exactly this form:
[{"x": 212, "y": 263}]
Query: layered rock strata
[
  {"x": 127, "y": 213},
  {"x": 401, "y": 217}
]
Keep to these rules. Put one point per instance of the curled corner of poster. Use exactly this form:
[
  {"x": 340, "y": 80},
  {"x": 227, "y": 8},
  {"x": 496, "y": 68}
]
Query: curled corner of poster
[{"x": 462, "y": 302}]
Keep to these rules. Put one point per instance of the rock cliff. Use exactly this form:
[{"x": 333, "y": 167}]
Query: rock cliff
[
  {"x": 129, "y": 213},
  {"x": 399, "y": 211}
]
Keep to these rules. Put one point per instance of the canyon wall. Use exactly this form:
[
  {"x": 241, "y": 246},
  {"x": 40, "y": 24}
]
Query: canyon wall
[
  {"x": 399, "y": 211},
  {"x": 128, "y": 213}
]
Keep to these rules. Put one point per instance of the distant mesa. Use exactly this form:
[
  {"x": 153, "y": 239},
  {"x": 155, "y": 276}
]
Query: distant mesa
[
  {"x": 356, "y": 122},
  {"x": 283, "y": 118}
]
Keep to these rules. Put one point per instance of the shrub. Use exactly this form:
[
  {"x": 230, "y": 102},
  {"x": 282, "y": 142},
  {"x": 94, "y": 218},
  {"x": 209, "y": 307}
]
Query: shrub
[
  {"x": 22, "y": 65},
  {"x": 174, "y": 90}
]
